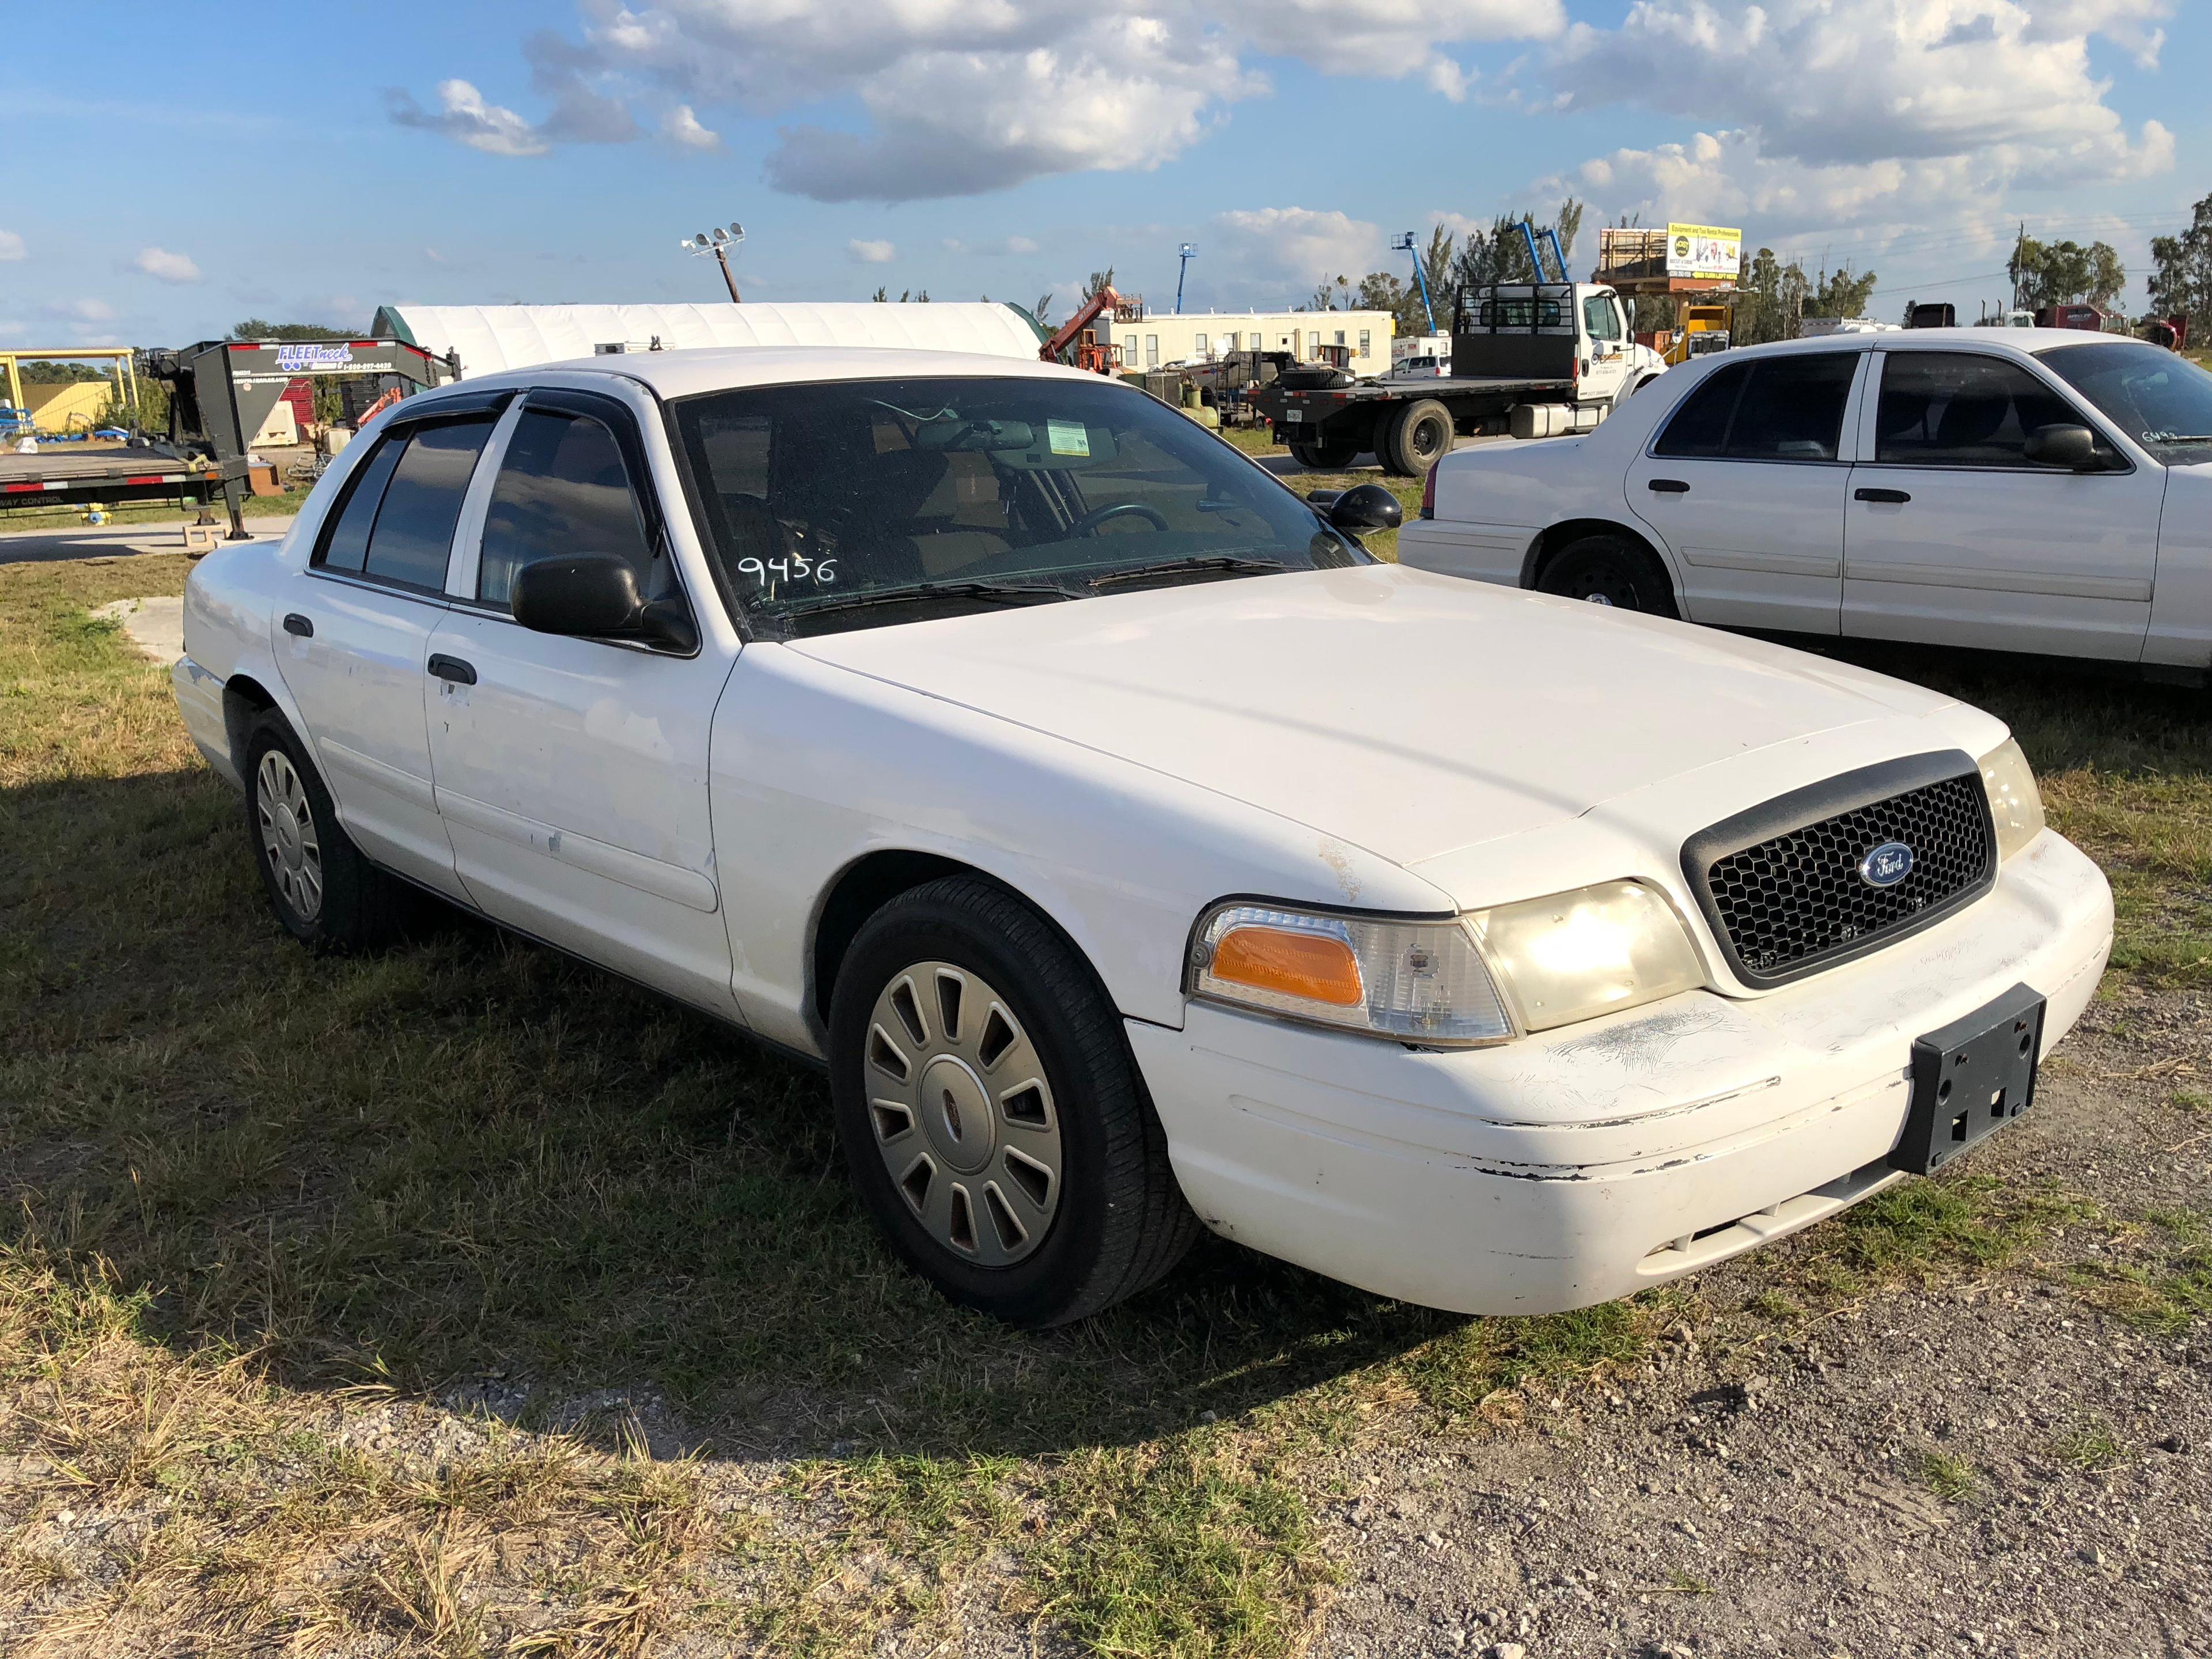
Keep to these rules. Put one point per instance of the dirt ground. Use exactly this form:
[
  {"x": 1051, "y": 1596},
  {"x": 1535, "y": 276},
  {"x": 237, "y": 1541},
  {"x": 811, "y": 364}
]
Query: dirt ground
[{"x": 1986, "y": 1465}]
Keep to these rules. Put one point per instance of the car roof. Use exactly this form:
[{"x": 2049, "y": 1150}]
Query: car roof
[
  {"x": 686, "y": 373},
  {"x": 1934, "y": 339}
]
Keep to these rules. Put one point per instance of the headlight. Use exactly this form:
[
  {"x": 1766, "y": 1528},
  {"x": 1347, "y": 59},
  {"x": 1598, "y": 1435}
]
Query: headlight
[
  {"x": 1591, "y": 951},
  {"x": 2015, "y": 801},
  {"x": 1475, "y": 979},
  {"x": 1419, "y": 982}
]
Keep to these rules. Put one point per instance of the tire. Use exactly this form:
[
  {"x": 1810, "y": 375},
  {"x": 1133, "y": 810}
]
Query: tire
[
  {"x": 1416, "y": 439},
  {"x": 1610, "y": 570},
  {"x": 329, "y": 897},
  {"x": 965, "y": 986},
  {"x": 1323, "y": 457}
]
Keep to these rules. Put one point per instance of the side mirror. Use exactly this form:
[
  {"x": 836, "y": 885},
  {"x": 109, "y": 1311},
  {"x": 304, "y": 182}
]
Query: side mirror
[
  {"x": 594, "y": 596},
  {"x": 1366, "y": 507},
  {"x": 2074, "y": 447}
]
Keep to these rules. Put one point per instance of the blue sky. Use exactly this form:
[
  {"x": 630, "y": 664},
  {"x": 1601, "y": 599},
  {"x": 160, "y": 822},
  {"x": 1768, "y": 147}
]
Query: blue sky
[{"x": 485, "y": 153}]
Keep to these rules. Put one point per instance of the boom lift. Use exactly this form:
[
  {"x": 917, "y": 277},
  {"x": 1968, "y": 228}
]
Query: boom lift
[
  {"x": 1076, "y": 334},
  {"x": 1405, "y": 245}
]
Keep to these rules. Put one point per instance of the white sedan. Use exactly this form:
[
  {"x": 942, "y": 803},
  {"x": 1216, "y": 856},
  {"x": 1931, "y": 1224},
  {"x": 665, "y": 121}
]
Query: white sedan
[
  {"x": 2034, "y": 490},
  {"x": 1134, "y": 851}
]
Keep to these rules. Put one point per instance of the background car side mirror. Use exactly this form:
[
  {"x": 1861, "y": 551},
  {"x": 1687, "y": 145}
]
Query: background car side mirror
[
  {"x": 2071, "y": 446},
  {"x": 1362, "y": 507},
  {"x": 594, "y": 596}
]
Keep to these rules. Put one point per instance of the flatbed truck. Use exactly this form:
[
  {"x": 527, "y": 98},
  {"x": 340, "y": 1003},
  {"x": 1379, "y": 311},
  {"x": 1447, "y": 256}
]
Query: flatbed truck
[{"x": 1537, "y": 359}]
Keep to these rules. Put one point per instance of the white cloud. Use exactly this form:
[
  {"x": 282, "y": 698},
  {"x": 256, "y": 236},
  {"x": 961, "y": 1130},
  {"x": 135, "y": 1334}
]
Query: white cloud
[
  {"x": 464, "y": 116},
  {"x": 871, "y": 253},
  {"x": 998, "y": 248},
  {"x": 11, "y": 247},
  {"x": 81, "y": 310},
  {"x": 159, "y": 263},
  {"x": 1857, "y": 112},
  {"x": 1259, "y": 255},
  {"x": 963, "y": 96},
  {"x": 681, "y": 126}
]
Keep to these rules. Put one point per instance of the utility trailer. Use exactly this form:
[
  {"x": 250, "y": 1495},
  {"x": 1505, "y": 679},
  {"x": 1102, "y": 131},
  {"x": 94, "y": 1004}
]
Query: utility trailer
[
  {"x": 76, "y": 475},
  {"x": 1533, "y": 359}
]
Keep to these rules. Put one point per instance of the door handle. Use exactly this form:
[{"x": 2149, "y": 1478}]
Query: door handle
[
  {"x": 1895, "y": 497},
  {"x": 452, "y": 669},
  {"x": 296, "y": 624},
  {"x": 1669, "y": 487}
]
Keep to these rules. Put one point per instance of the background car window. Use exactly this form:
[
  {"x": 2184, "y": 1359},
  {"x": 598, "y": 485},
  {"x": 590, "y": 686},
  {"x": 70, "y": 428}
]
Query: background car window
[
  {"x": 563, "y": 489},
  {"x": 1600, "y": 319},
  {"x": 345, "y": 544},
  {"x": 1956, "y": 409},
  {"x": 414, "y": 532},
  {"x": 1772, "y": 409}
]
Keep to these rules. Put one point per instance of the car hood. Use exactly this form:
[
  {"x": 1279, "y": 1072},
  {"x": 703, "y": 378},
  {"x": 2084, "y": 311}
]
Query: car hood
[{"x": 1408, "y": 714}]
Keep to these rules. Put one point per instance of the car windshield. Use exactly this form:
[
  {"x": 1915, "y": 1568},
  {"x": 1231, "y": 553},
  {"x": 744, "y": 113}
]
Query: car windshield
[
  {"x": 853, "y": 503},
  {"x": 2158, "y": 397}
]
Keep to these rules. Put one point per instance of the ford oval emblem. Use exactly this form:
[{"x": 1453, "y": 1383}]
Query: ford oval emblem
[{"x": 1886, "y": 865}]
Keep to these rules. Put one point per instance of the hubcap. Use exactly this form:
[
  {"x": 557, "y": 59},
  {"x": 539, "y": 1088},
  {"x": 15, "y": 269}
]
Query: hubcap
[
  {"x": 288, "y": 840},
  {"x": 964, "y": 1118}
]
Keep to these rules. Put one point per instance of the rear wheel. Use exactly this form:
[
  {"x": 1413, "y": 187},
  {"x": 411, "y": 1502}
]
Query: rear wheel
[
  {"x": 1610, "y": 570},
  {"x": 328, "y": 897},
  {"x": 1418, "y": 438},
  {"x": 991, "y": 1113},
  {"x": 1331, "y": 457}
]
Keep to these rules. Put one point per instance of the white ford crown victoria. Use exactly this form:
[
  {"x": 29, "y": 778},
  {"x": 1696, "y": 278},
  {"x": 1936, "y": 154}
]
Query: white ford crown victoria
[
  {"x": 2043, "y": 491},
  {"x": 1136, "y": 851}
]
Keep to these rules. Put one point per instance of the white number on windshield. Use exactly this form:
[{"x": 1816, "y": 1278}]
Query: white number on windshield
[{"x": 797, "y": 568}]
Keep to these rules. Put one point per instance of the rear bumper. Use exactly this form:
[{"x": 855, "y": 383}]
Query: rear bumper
[
  {"x": 199, "y": 701},
  {"x": 1585, "y": 1164}
]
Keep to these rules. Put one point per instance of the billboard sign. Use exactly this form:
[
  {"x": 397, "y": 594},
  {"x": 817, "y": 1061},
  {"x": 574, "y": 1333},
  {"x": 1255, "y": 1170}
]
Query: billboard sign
[{"x": 1708, "y": 252}]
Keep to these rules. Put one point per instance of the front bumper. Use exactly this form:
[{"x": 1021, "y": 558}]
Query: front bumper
[{"x": 1587, "y": 1163}]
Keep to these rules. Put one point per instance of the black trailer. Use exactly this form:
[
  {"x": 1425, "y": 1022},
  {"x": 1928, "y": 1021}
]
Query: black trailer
[
  {"x": 78, "y": 475},
  {"x": 1518, "y": 346},
  {"x": 222, "y": 391}
]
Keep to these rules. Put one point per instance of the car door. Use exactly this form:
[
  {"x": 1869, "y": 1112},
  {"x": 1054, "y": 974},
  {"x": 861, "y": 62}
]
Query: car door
[
  {"x": 572, "y": 773},
  {"x": 1745, "y": 483},
  {"x": 1954, "y": 537},
  {"x": 353, "y": 636},
  {"x": 1605, "y": 338}
]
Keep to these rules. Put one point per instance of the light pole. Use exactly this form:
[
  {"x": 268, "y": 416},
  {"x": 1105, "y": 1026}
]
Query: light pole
[
  {"x": 1188, "y": 251},
  {"x": 718, "y": 242}
]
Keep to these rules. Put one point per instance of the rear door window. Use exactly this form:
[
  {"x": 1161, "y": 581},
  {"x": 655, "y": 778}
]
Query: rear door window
[
  {"x": 1959, "y": 409},
  {"x": 563, "y": 489},
  {"x": 397, "y": 522},
  {"x": 1774, "y": 409}
]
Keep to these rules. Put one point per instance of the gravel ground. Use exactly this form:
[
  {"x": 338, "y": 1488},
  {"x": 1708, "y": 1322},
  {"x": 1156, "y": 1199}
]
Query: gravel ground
[{"x": 1986, "y": 1465}]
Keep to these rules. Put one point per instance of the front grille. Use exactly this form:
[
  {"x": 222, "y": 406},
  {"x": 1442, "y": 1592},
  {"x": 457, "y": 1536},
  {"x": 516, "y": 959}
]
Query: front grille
[{"x": 1794, "y": 899}]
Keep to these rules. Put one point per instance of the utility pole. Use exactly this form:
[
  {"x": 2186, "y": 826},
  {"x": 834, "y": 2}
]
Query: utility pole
[
  {"x": 1186, "y": 253},
  {"x": 718, "y": 242},
  {"x": 2019, "y": 248}
]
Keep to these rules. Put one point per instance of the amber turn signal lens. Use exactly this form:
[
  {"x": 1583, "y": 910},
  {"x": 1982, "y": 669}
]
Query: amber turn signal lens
[{"x": 1314, "y": 966}]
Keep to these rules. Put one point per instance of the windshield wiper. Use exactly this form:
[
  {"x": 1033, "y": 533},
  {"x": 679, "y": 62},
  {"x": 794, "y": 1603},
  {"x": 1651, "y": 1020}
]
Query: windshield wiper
[
  {"x": 913, "y": 592},
  {"x": 1226, "y": 565},
  {"x": 2178, "y": 437}
]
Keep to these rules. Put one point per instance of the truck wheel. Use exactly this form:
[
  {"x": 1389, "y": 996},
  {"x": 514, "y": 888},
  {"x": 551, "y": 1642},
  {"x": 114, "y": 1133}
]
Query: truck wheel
[
  {"x": 1610, "y": 570},
  {"x": 328, "y": 897},
  {"x": 991, "y": 1113},
  {"x": 1323, "y": 457},
  {"x": 1414, "y": 441}
]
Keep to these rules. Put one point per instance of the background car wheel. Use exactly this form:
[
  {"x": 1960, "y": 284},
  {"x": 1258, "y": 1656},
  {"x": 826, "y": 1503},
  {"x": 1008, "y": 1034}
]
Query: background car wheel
[
  {"x": 1420, "y": 437},
  {"x": 328, "y": 897},
  {"x": 991, "y": 1113},
  {"x": 1610, "y": 570},
  {"x": 1323, "y": 458}
]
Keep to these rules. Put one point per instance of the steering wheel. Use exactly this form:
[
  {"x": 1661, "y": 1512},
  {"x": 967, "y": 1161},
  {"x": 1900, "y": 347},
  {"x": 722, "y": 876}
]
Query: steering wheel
[{"x": 1089, "y": 523}]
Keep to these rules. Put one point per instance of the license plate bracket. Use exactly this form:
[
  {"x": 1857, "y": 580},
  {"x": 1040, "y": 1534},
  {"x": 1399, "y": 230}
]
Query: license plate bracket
[{"x": 1970, "y": 1079}]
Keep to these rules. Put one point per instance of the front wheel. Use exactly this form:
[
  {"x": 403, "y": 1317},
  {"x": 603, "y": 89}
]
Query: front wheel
[
  {"x": 1610, "y": 570},
  {"x": 991, "y": 1113}
]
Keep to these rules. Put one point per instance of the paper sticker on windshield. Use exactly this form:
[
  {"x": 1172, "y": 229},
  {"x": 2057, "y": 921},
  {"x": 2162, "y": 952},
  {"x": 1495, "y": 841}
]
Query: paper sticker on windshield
[{"x": 1068, "y": 437}]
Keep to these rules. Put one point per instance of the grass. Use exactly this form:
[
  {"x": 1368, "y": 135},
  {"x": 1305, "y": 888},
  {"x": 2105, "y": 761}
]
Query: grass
[
  {"x": 263, "y": 1210},
  {"x": 1951, "y": 1477},
  {"x": 1384, "y": 543}
]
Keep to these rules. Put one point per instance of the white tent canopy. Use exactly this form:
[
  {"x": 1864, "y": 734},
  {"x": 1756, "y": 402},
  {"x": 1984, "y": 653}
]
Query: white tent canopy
[{"x": 493, "y": 338}]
